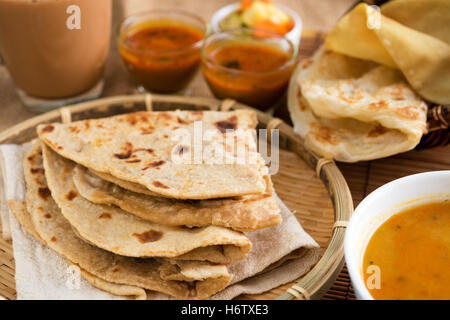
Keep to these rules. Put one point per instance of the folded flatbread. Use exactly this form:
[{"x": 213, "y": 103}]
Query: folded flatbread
[
  {"x": 181, "y": 279},
  {"x": 411, "y": 35},
  {"x": 179, "y": 154},
  {"x": 352, "y": 110},
  {"x": 120, "y": 232},
  {"x": 23, "y": 217},
  {"x": 246, "y": 213}
]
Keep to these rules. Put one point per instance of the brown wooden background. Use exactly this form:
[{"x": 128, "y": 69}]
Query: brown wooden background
[{"x": 318, "y": 15}]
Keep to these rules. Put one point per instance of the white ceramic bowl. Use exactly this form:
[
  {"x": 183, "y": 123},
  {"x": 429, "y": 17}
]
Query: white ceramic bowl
[
  {"x": 379, "y": 206},
  {"x": 293, "y": 35}
]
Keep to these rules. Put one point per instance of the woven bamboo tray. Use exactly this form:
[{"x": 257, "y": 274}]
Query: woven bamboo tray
[{"x": 313, "y": 189}]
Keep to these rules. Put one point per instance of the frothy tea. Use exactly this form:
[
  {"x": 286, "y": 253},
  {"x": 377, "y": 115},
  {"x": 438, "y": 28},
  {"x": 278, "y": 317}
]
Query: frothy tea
[{"x": 55, "y": 48}]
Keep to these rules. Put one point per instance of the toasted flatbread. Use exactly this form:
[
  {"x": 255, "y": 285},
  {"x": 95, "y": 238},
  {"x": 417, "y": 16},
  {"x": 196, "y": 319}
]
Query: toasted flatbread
[
  {"x": 351, "y": 110},
  {"x": 181, "y": 279},
  {"x": 23, "y": 217},
  {"x": 120, "y": 232},
  {"x": 246, "y": 213},
  {"x": 179, "y": 154}
]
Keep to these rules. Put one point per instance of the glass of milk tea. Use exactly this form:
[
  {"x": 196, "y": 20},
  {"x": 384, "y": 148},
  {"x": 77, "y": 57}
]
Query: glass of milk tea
[{"x": 55, "y": 50}]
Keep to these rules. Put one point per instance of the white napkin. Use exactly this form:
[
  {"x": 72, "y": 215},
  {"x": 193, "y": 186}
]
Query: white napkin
[
  {"x": 43, "y": 274},
  {"x": 12, "y": 185}
]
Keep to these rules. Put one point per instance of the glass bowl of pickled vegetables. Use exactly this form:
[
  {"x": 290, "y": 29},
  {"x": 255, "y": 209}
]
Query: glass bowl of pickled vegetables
[{"x": 261, "y": 14}]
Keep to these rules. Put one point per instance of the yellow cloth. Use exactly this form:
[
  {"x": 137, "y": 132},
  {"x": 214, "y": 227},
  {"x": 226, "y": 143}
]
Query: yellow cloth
[{"x": 412, "y": 35}]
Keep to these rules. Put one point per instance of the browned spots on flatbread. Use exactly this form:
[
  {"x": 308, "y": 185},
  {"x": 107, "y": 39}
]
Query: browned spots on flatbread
[
  {"x": 305, "y": 63},
  {"x": 48, "y": 128},
  {"x": 74, "y": 129},
  {"x": 137, "y": 117},
  {"x": 148, "y": 236},
  {"x": 98, "y": 142},
  {"x": 159, "y": 184},
  {"x": 105, "y": 215},
  {"x": 133, "y": 161},
  {"x": 115, "y": 269},
  {"x": 147, "y": 130},
  {"x": 151, "y": 151},
  {"x": 165, "y": 115},
  {"x": 228, "y": 124},
  {"x": 53, "y": 239},
  {"x": 44, "y": 193},
  {"x": 378, "y": 105},
  {"x": 52, "y": 144},
  {"x": 87, "y": 124},
  {"x": 59, "y": 148},
  {"x": 378, "y": 131},
  {"x": 397, "y": 93},
  {"x": 127, "y": 151},
  {"x": 165, "y": 136},
  {"x": 157, "y": 164},
  {"x": 71, "y": 195},
  {"x": 408, "y": 113},
  {"x": 131, "y": 119},
  {"x": 129, "y": 154},
  {"x": 31, "y": 158},
  {"x": 181, "y": 149},
  {"x": 324, "y": 134},
  {"x": 37, "y": 170},
  {"x": 154, "y": 164},
  {"x": 47, "y": 216}
]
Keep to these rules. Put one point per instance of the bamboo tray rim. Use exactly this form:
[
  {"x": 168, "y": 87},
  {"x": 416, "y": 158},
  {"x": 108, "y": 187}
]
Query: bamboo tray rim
[{"x": 320, "y": 278}]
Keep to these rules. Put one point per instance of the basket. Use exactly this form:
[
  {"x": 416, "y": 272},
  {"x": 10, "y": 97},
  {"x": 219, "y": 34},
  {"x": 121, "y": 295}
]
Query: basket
[{"x": 313, "y": 188}]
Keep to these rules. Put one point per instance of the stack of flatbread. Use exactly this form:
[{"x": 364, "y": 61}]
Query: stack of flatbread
[
  {"x": 351, "y": 110},
  {"x": 150, "y": 200},
  {"x": 361, "y": 96}
]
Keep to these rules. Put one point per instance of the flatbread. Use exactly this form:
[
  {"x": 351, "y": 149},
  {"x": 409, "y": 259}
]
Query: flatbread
[
  {"x": 117, "y": 231},
  {"x": 114, "y": 288},
  {"x": 246, "y": 213},
  {"x": 411, "y": 35},
  {"x": 131, "y": 186},
  {"x": 180, "y": 279},
  {"x": 351, "y": 110},
  {"x": 24, "y": 219},
  {"x": 160, "y": 151}
]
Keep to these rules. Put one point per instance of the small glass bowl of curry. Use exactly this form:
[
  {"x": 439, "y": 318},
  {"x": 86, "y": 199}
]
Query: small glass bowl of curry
[
  {"x": 161, "y": 48},
  {"x": 249, "y": 65}
]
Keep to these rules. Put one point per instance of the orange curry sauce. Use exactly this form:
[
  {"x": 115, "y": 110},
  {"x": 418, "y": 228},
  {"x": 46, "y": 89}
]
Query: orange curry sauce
[
  {"x": 412, "y": 251},
  {"x": 263, "y": 78},
  {"x": 162, "y": 56}
]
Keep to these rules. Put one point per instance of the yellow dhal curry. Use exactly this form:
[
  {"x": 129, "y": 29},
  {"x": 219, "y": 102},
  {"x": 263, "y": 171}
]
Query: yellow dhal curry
[{"x": 410, "y": 255}]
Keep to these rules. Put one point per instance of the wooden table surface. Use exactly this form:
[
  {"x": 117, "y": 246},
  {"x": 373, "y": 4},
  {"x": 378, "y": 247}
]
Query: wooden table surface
[{"x": 321, "y": 15}]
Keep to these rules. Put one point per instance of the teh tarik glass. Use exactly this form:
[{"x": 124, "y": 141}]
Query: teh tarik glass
[{"x": 55, "y": 50}]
